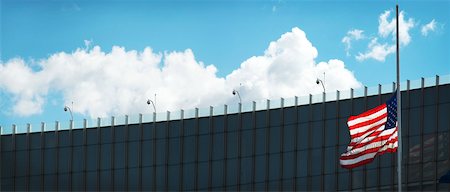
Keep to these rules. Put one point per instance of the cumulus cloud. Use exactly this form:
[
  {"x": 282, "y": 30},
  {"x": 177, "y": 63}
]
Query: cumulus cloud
[
  {"x": 387, "y": 27},
  {"x": 355, "y": 34},
  {"x": 119, "y": 82},
  {"x": 431, "y": 26},
  {"x": 377, "y": 51}
]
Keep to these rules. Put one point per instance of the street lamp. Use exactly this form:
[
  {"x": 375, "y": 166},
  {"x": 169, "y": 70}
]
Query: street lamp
[
  {"x": 70, "y": 110},
  {"x": 152, "y": 102},
  {"x": 318, "y": 81},
  {"x": 237, "y": 92}
]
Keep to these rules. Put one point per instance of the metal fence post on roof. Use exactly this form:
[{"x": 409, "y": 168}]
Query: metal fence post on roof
[{"x": 57, "y": 153}]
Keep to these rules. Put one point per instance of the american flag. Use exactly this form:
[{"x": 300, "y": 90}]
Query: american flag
[{"x": 372, "y": 133}]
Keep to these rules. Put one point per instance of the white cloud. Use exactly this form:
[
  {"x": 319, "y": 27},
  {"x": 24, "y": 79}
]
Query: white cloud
[
  {"x": 355, "y": 34},
  {"x": 386, "y": 28},
  {"x": 119, "y": 82},
  {"x": 377, "y": 51},
  {"x": 431, "y": 26}
]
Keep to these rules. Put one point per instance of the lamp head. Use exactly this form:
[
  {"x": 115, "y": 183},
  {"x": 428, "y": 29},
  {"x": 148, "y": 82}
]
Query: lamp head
[
  {"x": 148, "y": 102},
  {"x": 317, "y": 81},
  {"x": 65, "y": 108},
  {"x": 234, "y": 92}
]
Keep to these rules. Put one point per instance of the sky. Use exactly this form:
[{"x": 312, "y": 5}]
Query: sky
[{"x": 109, "y": 57}]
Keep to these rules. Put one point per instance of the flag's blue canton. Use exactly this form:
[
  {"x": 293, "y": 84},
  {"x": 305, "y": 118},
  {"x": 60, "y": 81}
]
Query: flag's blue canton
[{"x": 391, "y": 106}]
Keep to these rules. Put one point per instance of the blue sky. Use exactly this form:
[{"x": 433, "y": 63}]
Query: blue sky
[{"x": 219, "y": 34}]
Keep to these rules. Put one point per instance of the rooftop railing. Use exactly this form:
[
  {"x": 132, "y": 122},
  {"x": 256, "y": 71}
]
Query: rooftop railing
[{"x": 227, "y": 109}]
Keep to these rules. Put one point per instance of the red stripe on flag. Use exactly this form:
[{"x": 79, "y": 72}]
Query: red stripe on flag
[{"x": 367, "y": 113}]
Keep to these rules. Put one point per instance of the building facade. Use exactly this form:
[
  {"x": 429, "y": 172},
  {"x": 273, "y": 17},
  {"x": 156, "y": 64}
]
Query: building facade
[{"x": 284, "y": 148}]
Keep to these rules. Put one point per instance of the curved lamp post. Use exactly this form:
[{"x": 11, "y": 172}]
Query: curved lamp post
[
  {"x": 66, "y": 108},
  {"x": 237, "y": 92}
]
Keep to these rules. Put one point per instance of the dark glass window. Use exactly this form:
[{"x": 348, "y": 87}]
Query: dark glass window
[
  {"x": 330, "y": 182},
  {"x": 189, "y": 150},
  {"x": 303, "y": 136},
  {"x": 317, "y": 134},
  {"x": 203, "y": 125},
  {"x": 119, "y": 180},
  {"x": 444, "y": 94},
  {"x": 105, "y": 157},
  {"x": 119, "y": 155},
  {"x": 202, "y": 175},
  {"x": 77, "y": 137},
  {"x": 386, "y": 176},
  {"x": 343, "y": 181},
  {"x": 430, "y": 120},
  {"x": 147, "y": 178},
  {"x": 21, "y": 142},
  {"x": 288, "y": 165},
  {"x": 21, "y": 163},
  {"x": 330, "y": 160},
  {"x": 106, "y": 180},
  {"x": 173, "y": 175},
  {"x": 429, "y": 170},
  {"x": 49, "y": 182},
  {"x": 119, "y": 133},
  {"x": 50, "y": 141},
  {"x": 261, "y": 119},
  {"x": 289, "y": 137},
  {"x": 106, "y": 135},
  {"x": 359, "y": 106},
  {"x": 260, "y": 172},
  {"x": 7, "y": 164},
  {"x": 357, "y": 179},
  {"x": 133, "y": 154},
  {"x": 443, "y": 120},
  {"x": 302, "y": 165},
  {"x": 77, "y": 159},
  {"x": 231, "y": 173},
  {"x": 345, "y": 108},
  {"x": 331, "y": 132},
  {"x": 443, "y": 146},
  {"x": 331, "y": 110},
  {"x": 35, "y": 140},
  {"x": 246, "y": 172},
  {"x": 35, "y": 167},
  {"x": 203, "y": 147},
  {"x": 315, "y": 183},
  {"x": 49, "y": 161},
  {"x": 189, "y": 176},
  {"x": 344, "y": 133},
  {"x": 275, "y": 117},
  {"x": 134, "y": 132},
  {"x": 274, "y": 139},
  {"x": 91, "y": 181},
  {"x": 77, "y": 181},
  {"x": 217, "y": 173},
  {"x": 261, "y": 139},
  {"x": 190, "y": 127},
  {"x": 290, "y": 117},
  {"x": 247, "y": 143},
  {"x": 274, "y": 166},
  {"x": 133, "y": 179},
  {"x": 147, "y": 153},
  {"x": 302, "y": 184},
  {"x": 316, "y": 158},
  {"x": 147, "y": 130},
  {"x": 64, "y": 155},
  {"x": 92, "y": 137}
]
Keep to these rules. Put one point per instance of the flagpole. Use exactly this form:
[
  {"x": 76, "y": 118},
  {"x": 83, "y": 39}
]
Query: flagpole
[{"x": 399, "y": 117}]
